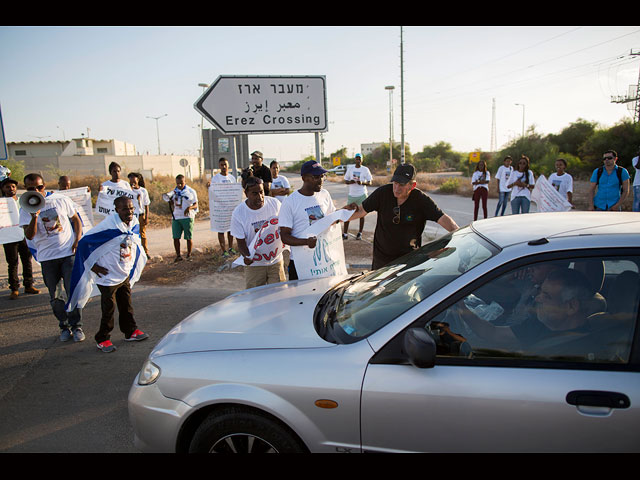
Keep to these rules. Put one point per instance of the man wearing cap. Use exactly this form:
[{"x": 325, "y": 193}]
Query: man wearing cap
[
  {"x": 261, "y": 171},
  {"x": 15, "y": 251},
  {"x": 403, "y": 211},
  {"x": 304, "y": 207}
]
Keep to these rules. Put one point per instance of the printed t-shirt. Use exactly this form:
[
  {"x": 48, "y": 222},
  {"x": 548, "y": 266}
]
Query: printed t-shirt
[
  {"x": 391, "y": 240},
  {"x": 181, "y": 200},
  {"x": 520, "y": 191},
  {"x": 246, "y": 222},
  {"x": 363, "y": 174},
  {"x": 562, "y": 183},
  {"x": 118, "y": 261},
  {"x": 142, "y": 202},
  {"x": 299, "y": 211},
  {"x": 219, "y": 178},
  {"x": 280, "y": 182},
  {"x": 502, "y": 176},
  {"x": 54, "y": 237},
  {"x": 477, "y": 175}
]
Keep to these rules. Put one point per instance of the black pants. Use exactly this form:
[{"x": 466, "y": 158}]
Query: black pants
[
  {"x": 110, "y": 296},
  {"x": 13, "y": 251}
]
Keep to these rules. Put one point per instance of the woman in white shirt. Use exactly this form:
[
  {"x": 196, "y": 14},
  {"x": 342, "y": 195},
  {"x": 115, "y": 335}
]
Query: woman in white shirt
[
  {"x": 480, "y": 181},
  {"x": 136, "y": 181},
  {"x": 522, "y": 182}
]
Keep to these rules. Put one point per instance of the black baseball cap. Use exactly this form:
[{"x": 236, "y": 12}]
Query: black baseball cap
[
  {"x": 404, "y": 174},
  {"x": 8, "y": 180}
]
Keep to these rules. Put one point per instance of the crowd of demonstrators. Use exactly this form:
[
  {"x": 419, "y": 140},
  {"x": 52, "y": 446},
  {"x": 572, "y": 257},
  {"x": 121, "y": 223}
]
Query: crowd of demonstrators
[
  {"x": 357, "y": 177},
  {"x": 480, "y": 181},
  {"x": 184, "y": 206}
]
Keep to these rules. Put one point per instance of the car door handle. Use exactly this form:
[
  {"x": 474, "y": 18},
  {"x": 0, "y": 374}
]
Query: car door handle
[{"x": 597, "y": 398}]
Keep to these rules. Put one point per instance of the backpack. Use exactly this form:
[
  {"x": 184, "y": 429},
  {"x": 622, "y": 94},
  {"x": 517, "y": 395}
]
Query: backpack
[{"x": 618, "y": 171}]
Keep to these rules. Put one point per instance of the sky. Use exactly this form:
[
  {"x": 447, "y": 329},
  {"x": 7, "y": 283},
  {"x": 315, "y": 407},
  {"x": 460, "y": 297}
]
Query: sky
[{"x": 60, "y": 82}]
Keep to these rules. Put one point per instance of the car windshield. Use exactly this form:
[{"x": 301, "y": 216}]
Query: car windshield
[{"x": 361, "y": 305}]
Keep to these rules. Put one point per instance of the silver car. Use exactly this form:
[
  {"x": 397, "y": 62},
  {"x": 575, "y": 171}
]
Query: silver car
[{"x": 513, "y": 334}]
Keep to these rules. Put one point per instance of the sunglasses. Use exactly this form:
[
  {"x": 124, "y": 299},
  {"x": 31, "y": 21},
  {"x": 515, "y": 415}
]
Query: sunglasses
[
  {"x": 39, "y": 187},
  {"x": 396, "y": 213}
]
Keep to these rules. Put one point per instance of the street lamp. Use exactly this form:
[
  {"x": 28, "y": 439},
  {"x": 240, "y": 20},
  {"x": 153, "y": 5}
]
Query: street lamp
[
  {"x": 522, "y": 105},
  {"x": 390, "y": 88},
  {"x": 158, "y": 128}
]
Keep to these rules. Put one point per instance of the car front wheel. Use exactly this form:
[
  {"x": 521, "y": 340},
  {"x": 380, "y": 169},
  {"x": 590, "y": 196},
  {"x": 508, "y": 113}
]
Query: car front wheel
[{"x": 234, "y": 430}]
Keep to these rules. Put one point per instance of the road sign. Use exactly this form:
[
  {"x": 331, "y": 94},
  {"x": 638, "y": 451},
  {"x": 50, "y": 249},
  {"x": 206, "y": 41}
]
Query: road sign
[{"x": 265, "y": 104}]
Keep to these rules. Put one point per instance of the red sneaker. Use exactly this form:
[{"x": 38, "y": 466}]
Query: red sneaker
[
  {"x": 136, "y": 336},
  {"x": 106, "y": 346}
]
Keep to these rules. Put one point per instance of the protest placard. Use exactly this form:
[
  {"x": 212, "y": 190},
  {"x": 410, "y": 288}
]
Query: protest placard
[
  {"x": 106, "y": 196},
  {"x": 266, "y": 246},
  {"x": 223, "y": 198},
  {"x": 82, "y": 199},
  {"x": 10, "y": 230},
  {"x": 547, "y": 198},
  {"x": 327, "y": 258}
]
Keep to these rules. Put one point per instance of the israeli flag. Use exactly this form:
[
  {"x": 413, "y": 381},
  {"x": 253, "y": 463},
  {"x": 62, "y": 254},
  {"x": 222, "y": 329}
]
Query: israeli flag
[{"x": 107, "y": 235}]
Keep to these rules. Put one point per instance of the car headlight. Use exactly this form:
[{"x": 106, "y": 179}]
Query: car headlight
[{"x": 149, "y": 374}]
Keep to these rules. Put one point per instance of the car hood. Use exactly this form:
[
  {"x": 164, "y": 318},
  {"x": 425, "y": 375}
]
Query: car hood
[{"x": 271, "y": 316}]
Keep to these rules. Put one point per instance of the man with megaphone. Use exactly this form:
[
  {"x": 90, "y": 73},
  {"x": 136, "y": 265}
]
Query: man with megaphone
[{"x": 53, "y": 229}]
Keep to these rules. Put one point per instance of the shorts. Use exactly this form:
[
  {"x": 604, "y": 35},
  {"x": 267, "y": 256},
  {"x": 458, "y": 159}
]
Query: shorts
[
  {"x": 258, "y": 275},
  {"x": 356, "y": 200},
  {"x": 182, "y": 225}
]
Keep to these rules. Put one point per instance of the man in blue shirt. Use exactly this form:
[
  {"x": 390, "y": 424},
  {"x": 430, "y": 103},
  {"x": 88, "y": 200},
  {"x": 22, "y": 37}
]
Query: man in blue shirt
[{"x": 611, "y": 183}]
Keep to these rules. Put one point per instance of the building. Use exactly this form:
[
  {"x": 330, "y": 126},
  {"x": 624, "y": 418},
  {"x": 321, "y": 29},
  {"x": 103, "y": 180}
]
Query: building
[
  {"x": 87, "y": 156},
  {"x": 368, "y": 148}
]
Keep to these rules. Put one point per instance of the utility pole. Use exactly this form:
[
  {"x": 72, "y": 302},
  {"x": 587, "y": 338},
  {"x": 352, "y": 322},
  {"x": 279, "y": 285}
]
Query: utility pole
[
  {"x": 401, "y": 100},
  {"x": 634, "y": 96},
  {"x": 494, "y": 141}
]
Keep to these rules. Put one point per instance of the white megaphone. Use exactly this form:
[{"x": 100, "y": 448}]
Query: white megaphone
[
  {"x": 167, "y": 196},
  {"x": 32, "y": 201}
]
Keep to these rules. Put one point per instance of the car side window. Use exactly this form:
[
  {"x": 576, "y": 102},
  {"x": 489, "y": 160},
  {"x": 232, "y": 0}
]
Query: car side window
[{"x": 575, "y": 310}]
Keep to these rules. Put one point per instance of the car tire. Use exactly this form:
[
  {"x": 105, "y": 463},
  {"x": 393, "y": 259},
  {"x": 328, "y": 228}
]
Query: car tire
[{"x": 234, "y": 430}]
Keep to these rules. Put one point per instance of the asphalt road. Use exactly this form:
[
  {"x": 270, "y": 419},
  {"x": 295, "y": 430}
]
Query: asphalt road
[{"x": 70, "y": 397}]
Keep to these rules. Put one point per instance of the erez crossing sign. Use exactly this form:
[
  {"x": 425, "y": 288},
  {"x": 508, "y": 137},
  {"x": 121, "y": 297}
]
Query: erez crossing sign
[{"x": 265, "y": 104}]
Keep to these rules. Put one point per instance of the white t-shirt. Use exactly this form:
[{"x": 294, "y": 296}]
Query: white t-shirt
[
  {"x": 477, "y": 175},
  {"x": 562, "y": 183},
  {"x": 502, "y": 176},
  {"x": 118, "y": 261},
  {"x": 299, "y": 211},
  {"x": 636, "y": 164},
  {"x": 519, "y": 191},
  {"x": 219, "y": 178},
  {"x": 181, "y": 200},
  {"x": 246, "y": 222},
  {"x": 121, "y": 184},
  {"x": 54, "y": 237},
  {"x": 363, "y": 174},
  {"x": 280, "y": 182},
  {"x": 143, "y": 201}
]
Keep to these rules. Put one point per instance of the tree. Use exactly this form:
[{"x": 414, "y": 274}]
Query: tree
[
  {"x": 571, "y": 138},
  {"x": 623, "y": 137}
]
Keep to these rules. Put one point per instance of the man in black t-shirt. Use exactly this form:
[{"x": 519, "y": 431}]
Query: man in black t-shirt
[
  {"x": 261, "y": 171},
  {"x": 403, "y": 211}
]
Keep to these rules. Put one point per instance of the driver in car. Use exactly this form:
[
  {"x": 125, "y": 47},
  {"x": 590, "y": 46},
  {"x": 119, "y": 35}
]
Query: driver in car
[{"x": 560, "y": 308}]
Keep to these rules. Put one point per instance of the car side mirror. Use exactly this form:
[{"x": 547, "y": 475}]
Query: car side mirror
[{"x": 420, "y": 347}]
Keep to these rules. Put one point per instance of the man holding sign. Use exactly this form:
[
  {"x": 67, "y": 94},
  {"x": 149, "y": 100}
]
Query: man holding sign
[
  {"x": 303, "y": 208},
  {"x": 254, "y": 224}
]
